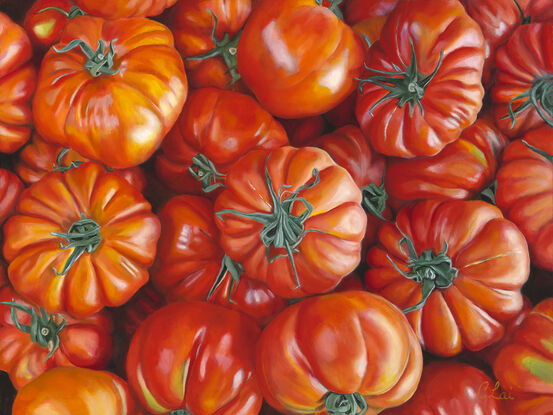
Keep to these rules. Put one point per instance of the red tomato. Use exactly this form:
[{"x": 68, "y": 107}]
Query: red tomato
[
  {"x": 344, "y": 113},
  {"x": 452, "y": 388},
  {"x": 202, "y": 349},
  {"x": 117, "y": 9},
  {"x": 10, "y": 189},
  {"x": 119, "y": 110},
  {"x": 301, "y": 130},
  {"x": 525, "y": 192},
  {"x": 193, "y": 260},
  {"x": 57, "y": 268},
  {"x": 347, "y": 350},
  {"x": 215, "y": 129},
  {"x": 359, "y": 10},
  {"x": 17, "y": 83},
  {"x": 456, "y": 267},
  {"x": 422, "y": 86},
  {"x": 292, "y": 218},
  {"x": 294, "y": 71}
]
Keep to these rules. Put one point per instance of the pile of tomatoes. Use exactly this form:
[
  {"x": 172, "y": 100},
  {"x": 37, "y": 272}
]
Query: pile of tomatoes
[{"x": 242, "y": 207}]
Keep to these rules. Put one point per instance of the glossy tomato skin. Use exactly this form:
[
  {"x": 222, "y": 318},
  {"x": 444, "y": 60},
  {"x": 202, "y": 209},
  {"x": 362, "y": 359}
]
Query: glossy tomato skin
[
  {"x": 223, "y": 126},
  {"x": 490, "y": 255},
  {"x": 525, "y": 193},
  {"x": 195, "y": 356},
  {"x": 110, "y": 274},
  {"x": 336, "y": 343},
  {"x": 117, "y": 119},
  {"x": 10, "y": 189},
  {"x": 460, "y": 171},
  {"x": 117, "y": 9},
  {"x": 356, "y": 11},
  {"x": 287, "y": 65},
  {"x": 17, "y": 83},
  {"x": 452, "y": 98},
  {"x": 192, "y": 259},
  {"x": 330, "y": 243},
  {"x": 451, "y": 388},
  {"x": 44, "y": 28},
  {"x": 73, "y": 390},
  {"x": 524, "y": 366}
]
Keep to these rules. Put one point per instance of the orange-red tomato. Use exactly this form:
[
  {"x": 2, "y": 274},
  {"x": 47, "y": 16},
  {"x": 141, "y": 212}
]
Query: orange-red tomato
[
  {"x": 292, "y": 70},
  {"x": 337, "y": 350},
  {"x": 117, "y": 9},
  {"x": 115, "y": 104},
  {"x": 17, "y": 83},
  {"x": 195, "y": 356},
  {"x": 301, "y": 130},
  {"x": 54, "y": 265},
  {"x": 10, "y": 189},
  {"x": 456, "y": 267},
  {"x": 292, "y": 218}
]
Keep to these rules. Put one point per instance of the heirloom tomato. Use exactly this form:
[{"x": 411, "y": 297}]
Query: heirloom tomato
[
  {"x": 194, "y": 267},
  {"x": 367, "y": 17},
  {"x": 80, "y": 240},
  {"x": 10, "y": 189},
  {"x": 524, "y": 367},
  {"x": 17, "y": 83},
  {"x": 117, "y": 9},
  {"x": 525, "y": 191},
  {"x": 292, "y": 70},
  {"x": 74, "y": 390},
  {"x": 114, "y": 104},
  {"x": 456, "y": 267},
  {"x": 301, "y": 130},
  {"x": 292, "y": 218},
  {"x": 196, "y": 357},
  {"x": 422, "y": 83},
  {"x": 337, "y": 353}
]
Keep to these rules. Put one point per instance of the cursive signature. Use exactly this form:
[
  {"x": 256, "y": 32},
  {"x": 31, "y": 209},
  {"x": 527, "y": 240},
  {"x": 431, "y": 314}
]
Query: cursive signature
[{"x": 494, "y": 392}]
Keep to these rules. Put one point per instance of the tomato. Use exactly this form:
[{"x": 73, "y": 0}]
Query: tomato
[
  {"x": 74, "y": 390},
  {"x": 452, "y": 388},
  {"x": 523, "y": 85},
  {"x": 210, "y": 27},
  {"x": 345, "y": 350},
  {"x": 215, "y": 129},
  {"x": 301, "y": 130},
  {"x": 421, "y": 86},
  {"x": 367, "y": 17},
  {"x": 193, "y": 261},
  {"x": 57, "y": 267},
  {"x": 460, "y": 171},
  {"x": 456, "y": 267},
  {"x": 292, "y": 218},
  {"x": 202, "y": 349},
  {"x": 117, "y": 9},
  {"x": 119, "y": 110},
  {"x": 17, "y": 83},
  {"x": 525, "y": 192},
  {"x": 290, "y": 68},
  {"x": 344, "y": 113},
  {"x": 524, "y": 367},
  {"x": 10, "y": 189}
]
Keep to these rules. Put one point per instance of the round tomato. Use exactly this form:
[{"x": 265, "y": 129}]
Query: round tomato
[
  {"x": 422, "y": 83},
  {"x": 115, "y": 104},
  {"x": 195, "y": 356},
  {"x": 292, "y": 218},
  {"x": 215, "y": 129},
  {"x": 337, "y": 353},
  {"x": 80, "y": 240},
  {"x": 292, "y": 70},
  {"x": 117, "y": 9},
  {"x": 10, "y": 189},
  {"x": 456, "y": 267}
]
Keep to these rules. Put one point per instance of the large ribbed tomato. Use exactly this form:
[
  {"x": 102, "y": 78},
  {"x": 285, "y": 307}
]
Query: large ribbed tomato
[
  {"x": 456, "y": 267},
  {"x": 525, "y": 192},
  {"x": 198, "y": 357},
  {"x": 114, "y": 104},
  {"x": 422, "y": 84},
  {"x": 10, "y": 189},
  {"x": 292, "y": 218},
  {"x": 117, "y": 9},
  {"x": 337, "y": 353},
  {"x": 293, "y": 70},
  {"x": 215, "y": 128},
  {"x": 192, "y": 262},
  {"x": 17, "y": 83},
  {"x": 80, "y": 240}
]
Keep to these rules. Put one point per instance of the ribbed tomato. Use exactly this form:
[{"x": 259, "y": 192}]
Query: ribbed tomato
[
  {"x": 117, "y": 9},
  {"x": 10, "y": 189}
]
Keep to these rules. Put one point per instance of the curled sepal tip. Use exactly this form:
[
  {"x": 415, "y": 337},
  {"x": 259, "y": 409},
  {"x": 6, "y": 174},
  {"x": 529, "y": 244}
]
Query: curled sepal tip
[
  {"x": 73, "y": 12},
  {"x": 334, "y": 7},
  {"x": 345, "y": 404},
  {"x": 58, "y": 166},
  {"x": 204, "y": 171},
  {"x": 99, "y": 62},
  {"x": 374, "y": 199},
  {"x": 538, "y": 151},
  {"x": 234, "y": 269}
]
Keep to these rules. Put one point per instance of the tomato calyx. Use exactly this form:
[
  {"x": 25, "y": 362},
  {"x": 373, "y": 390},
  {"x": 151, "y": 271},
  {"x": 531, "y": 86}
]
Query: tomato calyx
[
  {"x": 407, "y": 85},
  {"x": 345, "y": 404},
  {"x": 226, "y": 48},
  {"x": 99, "y": 62},
  {"x": 83, "y": 235},
  {"x": 523, "y": 18},
  {"x": 430, "y": 269},
  {"x": 179, "y": 412},
  {"x": 73, "y": 12},
  {"x": 374, "y": 199},
  {"x": 281, "y": 229},
  {"x": 234, "y": 269},
  {"x": 540, "y": 96},
  {"x": 539, "y": 151},
  {"x": 58, "y": 165},
  {"x": 334, "y": 7},
  {"x": 203, "y": 170},
  {"x": 44, "y": 330},
  {"x": 488, "y": 194}
]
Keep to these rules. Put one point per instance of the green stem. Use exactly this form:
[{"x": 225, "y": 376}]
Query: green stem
[
  {"x": 539, "y": 151},
  {"x": 203, "y": 170},
  {"x": 58, "y": 165},
  {"x": 99, "y": 62},
  {"x": 523, "y": 18},
  {"x": 179, "y": 412},
  {"x": 334, "y": 7},
  {"x": 374, "y": 199},
  {"x": 234, "y": 269},
  {"x": 345, "y": 404},
  {"x": 74, "y": 11}
]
